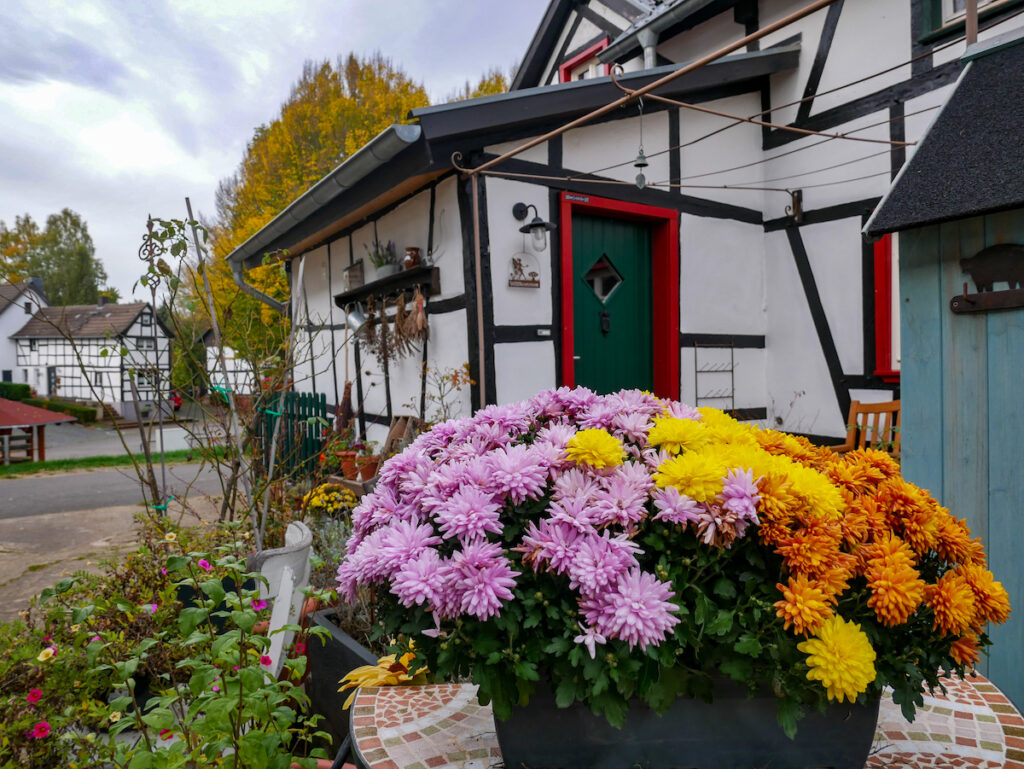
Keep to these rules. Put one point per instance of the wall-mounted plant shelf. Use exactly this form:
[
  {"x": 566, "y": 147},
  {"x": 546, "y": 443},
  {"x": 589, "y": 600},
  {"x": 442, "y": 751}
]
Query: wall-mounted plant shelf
[
  {"x": 427, "y": 278},
  {"x": 987, "y": 301}
]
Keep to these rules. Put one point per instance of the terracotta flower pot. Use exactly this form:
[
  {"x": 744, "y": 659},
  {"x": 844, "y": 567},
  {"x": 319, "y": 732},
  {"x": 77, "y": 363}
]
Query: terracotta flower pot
[
  {"x": 368, "y": 466},
  {"x": 348, "y": 464}
]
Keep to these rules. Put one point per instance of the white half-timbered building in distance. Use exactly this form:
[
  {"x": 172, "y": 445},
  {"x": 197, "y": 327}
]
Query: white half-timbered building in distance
[
  {"x": 733, "y": 274},
  {"x": 91, "y": 353},
  {"x": 18, "y": 303}
]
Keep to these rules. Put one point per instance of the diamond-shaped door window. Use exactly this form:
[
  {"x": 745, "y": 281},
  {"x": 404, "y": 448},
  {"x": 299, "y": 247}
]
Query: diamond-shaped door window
[{"x": 603, "y": 278}]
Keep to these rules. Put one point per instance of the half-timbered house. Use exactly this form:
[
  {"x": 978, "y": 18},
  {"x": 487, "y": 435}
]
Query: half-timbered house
[
  {"x": 94, "y": 353},
  {"x": 732, "y": 273}
]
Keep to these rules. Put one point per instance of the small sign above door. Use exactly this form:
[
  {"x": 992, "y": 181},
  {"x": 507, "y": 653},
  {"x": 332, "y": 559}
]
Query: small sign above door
[{"x": 523, "y": 271}]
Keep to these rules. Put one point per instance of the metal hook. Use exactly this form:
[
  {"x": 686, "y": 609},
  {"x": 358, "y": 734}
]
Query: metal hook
[{"x": 795, "y": 209}]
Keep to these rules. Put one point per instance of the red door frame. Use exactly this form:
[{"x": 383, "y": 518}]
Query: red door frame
[
  {"x": 664, "y": 273},
  {"x": 883, "y": 312}
]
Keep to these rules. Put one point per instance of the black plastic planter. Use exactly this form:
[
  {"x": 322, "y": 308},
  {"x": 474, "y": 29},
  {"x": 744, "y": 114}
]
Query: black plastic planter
[
  {"x": 733, "y": 732},
  {"x": 330, "y": 660}
]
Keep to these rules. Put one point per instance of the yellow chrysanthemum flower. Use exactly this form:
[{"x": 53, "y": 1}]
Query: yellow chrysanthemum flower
[
  {"x": 841, "y": 658},
  {"x": 694, "y": 473},
  {"x": 805, "y": 605},
  {"x": 595, "y": 447},
  {"x": 674, "y": 434},
  {"x": 965, "y": 650},
  {"x": 387, "y": 672}
]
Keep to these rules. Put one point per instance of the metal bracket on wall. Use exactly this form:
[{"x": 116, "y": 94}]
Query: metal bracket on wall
[{"x": 987, "y": 301}]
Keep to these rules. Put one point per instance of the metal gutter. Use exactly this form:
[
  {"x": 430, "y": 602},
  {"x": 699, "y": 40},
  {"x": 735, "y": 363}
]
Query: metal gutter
[
  {"x": 379, "y": 150},
  {"x": 653, "y": 26}
]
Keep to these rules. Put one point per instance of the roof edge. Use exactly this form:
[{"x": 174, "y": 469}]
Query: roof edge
[{"x": 379, "y": 150}]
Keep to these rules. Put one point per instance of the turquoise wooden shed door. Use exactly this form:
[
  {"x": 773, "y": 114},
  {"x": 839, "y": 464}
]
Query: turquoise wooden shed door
[{"x": 612, "y": 333}]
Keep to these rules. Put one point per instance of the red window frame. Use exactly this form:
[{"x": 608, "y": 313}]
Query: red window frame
[
  {"x": 883, "y": 312},
  {"x": 565, "y": 68},
  {"x": 664, "y": 273}
]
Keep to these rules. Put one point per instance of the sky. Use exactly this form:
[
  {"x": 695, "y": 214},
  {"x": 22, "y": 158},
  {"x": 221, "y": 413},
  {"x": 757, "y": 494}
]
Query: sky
[{"x": 122, "y": 108}]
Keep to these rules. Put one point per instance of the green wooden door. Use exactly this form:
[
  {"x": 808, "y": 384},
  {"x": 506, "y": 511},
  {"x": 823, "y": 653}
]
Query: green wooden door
[{"x": 612, "y": 304}]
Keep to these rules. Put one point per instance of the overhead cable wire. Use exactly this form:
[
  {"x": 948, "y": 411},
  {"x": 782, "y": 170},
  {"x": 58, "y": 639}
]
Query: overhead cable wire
[{"x": 850, "y": 84}]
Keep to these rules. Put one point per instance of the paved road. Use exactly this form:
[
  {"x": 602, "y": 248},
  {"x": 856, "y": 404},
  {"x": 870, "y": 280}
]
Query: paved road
[{"x": 93, "y": 489}]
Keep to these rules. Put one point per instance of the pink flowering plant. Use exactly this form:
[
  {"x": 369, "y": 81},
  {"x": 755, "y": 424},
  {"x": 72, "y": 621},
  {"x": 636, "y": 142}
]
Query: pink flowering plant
[{"x": 625, "y": 547}]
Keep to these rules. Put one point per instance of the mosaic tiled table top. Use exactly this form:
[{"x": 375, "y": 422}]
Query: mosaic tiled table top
[{"x": 443, "y": 727}]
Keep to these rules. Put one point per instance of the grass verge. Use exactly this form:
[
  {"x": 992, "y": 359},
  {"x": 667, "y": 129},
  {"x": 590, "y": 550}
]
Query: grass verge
[{"x": 178, "y": 457}]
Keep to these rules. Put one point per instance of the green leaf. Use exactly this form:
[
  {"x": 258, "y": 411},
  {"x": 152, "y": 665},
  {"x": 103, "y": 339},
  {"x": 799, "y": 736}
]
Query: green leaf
[
  {"x": 214, "y": 589},
  {"x": 738, "y": 668},
  {"x": 558, "y": 646},
  {"x": 176, "y": 562},
  {"x": 64, "y": 585},
  {"x": 747, "y": 644},
  {"x": 565, "y": 693},
  {"x": 788, "y": 714},
  {"x": 244, "y": 619},
  {"x": 189, "y": 619},
  {"x": 724, "y": 588},
  {"x": 722, "y": 623},
  {"x": 142, "y": 759},
  {"x": 159, "y": 718}
]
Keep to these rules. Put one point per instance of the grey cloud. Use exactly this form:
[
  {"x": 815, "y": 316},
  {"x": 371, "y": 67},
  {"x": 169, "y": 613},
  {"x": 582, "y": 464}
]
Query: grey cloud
[{"x": 37, "y": 54}]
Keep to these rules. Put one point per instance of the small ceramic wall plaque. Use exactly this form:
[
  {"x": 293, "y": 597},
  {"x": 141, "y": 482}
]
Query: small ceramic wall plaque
[{"x": 523, "y": 271}]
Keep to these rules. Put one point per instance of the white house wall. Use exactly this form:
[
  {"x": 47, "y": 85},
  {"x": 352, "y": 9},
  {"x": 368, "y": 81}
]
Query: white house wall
[
  {"x": 593, "y": 147},
  {"x": 523, "y": 368},
  {"x": 12, "y": 318},
  {"x": 518, "y": 306}
]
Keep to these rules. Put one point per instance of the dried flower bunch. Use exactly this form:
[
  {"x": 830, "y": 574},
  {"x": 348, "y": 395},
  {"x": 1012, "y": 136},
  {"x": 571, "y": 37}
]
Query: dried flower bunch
[{"x": 625, "y": 546}]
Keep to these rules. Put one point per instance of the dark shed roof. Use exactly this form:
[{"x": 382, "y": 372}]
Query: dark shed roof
[
  {"x": 81, "y": 320},
  {"x": 971, "y": 161}
]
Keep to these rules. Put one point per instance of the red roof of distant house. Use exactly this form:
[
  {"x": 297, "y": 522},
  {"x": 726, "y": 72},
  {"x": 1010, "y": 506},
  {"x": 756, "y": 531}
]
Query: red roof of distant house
[{"x": 17, "y": 414}]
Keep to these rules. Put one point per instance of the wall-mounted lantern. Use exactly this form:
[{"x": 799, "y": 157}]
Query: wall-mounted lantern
[{"x": 537, "y": 228}]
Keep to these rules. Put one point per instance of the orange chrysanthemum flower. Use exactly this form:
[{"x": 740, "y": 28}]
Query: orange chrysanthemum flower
[
  {"x": 911, "y": 513},
  {"x": 890, "y": 551},
  {"x": 954, "y": 543},
  {"x": 804, "y": 605},
  {"x": 896, "y": 590},
  {"x": 881, "y": 461},
  {"x": 856, "y": 478},
  {"x": 836, "y": 581},
  {"x": 810, "y": 552},
  {"x": 952, "y": 600},
  {"x": 992, "y": 603},
  {"x": 965, "y": 650}
]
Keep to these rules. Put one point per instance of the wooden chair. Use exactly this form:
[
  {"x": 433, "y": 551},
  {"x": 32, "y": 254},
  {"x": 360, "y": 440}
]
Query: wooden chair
[{"x": 873, "y": 426}]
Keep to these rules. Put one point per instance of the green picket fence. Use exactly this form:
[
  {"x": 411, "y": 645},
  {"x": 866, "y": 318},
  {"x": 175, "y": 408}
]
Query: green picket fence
[{"x": 301, "y": 433}]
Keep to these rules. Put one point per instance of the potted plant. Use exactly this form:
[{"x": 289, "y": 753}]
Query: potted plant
[
  {"x": 384, "y": 257},
  {"x": 607, "y": 558},
  {"x": 367, "y": 460}
]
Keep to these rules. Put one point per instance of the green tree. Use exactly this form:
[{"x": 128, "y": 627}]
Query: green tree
[{"x": 62, "y": 255}]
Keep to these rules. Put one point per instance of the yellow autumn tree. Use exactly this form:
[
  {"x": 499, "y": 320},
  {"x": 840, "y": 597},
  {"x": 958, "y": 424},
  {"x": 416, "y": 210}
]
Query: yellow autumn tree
[{"x": 332, "y": 110}]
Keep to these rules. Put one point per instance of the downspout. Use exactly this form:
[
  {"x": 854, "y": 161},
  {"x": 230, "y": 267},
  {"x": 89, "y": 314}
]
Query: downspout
[
  {"x": 648, "y": 39},
  {"x": 238, "y": 271}
]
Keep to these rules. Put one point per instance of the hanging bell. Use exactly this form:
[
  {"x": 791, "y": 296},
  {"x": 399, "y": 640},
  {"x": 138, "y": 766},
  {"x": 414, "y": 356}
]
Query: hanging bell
[{"x": 641, "y": 160}]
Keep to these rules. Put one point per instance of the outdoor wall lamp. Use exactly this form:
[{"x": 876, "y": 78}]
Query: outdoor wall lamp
[{"x": 537, "y": 227}]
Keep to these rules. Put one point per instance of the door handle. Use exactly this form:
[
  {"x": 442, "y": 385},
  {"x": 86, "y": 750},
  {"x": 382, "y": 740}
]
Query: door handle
[
  {"x": 577, "y": 357},
  {"x": 606, "y": 322}
]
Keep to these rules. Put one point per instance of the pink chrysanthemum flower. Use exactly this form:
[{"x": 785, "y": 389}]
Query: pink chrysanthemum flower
[
  {"x": 632, "y": 425},
  {"x": 619, "y": 504},
  {"x": 637, "y": 610},
  {"x": 551, "y": 544},
  {"x": 600, "y": 561},
  {"x": 483, "y": 578},
  {"x": 573, "y": 511},
  {"x": 470, "y": 512},
  {"x": 675, "y": 507},
  {"x": 575, "y": 483},
  {"x": 600, "y": 415},
  {"x": 740, "y": 494},
  {"x": 590, "y": 638},
  {"x": 404, "y": 541},
  {"x": 419, "y": 581},
  {"x": 515, "y": 472}
]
